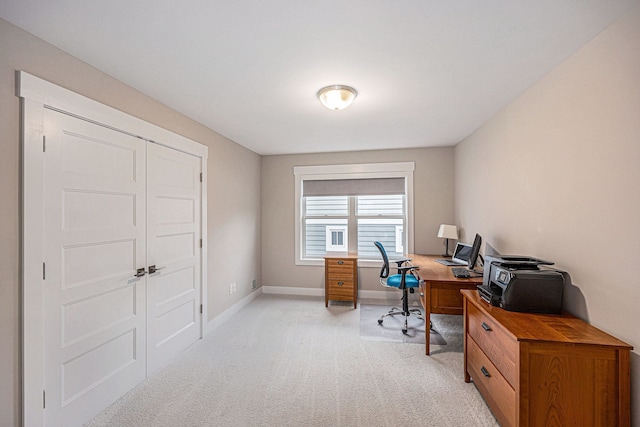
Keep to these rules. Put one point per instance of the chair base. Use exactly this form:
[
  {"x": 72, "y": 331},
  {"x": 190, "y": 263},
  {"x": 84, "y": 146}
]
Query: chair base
[{"x": 395, "y": 311}]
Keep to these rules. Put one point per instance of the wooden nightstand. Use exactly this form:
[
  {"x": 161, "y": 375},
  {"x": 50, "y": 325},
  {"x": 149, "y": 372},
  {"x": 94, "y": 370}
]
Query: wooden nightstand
[{"x": 341, "y": 278}]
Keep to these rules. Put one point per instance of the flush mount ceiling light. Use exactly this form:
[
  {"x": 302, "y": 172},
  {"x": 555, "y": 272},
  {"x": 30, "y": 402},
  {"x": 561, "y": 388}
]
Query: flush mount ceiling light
[{"x": 337, "y": 97}]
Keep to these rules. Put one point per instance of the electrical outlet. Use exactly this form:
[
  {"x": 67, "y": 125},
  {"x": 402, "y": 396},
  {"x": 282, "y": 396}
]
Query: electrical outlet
[
  {"x": 254, "y": 284},
  {"x": 230, "y": 288},
  {"x": 234, "y": 287}
]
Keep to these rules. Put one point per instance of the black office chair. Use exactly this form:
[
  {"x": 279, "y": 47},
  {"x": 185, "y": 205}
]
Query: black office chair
[{"x": 404, "y": 280}]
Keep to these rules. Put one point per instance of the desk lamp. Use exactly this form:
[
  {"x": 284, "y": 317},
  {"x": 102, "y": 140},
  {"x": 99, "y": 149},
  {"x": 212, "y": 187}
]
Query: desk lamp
[{"x": 447, "y": 232}]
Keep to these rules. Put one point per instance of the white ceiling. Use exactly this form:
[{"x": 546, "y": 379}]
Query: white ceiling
[{"x": 427, "y": 72}]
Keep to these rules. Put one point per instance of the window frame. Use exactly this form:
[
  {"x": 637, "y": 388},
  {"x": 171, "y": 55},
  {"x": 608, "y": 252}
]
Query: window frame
[
  {"x": 352, "y": 171},
  {"x": 399, "y": 238}
]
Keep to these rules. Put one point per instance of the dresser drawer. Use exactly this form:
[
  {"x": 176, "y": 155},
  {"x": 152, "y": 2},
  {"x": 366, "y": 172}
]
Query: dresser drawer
[
  {"x": 495, "y": 389},
  {"x": 499, "y": 346}
]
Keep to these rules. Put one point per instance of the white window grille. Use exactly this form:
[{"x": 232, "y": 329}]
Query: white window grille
[{"x": 399, "y": 238}]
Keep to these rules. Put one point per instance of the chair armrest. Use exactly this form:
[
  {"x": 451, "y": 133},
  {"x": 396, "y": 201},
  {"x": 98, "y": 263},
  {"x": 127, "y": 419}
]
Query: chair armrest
[
  {"x": 408, "y": 268},
  {"x": 401, "y": 261},
  {"x": 404, "y": 270}
]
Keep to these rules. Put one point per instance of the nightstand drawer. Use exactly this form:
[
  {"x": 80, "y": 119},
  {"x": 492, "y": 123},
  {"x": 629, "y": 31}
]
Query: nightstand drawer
[
  {"x": 334, "y": 278},
  {"x": 340, "y": 283},
  {"x": 340, "y": 272},
  {"x": 341, "y": 287},
  {"x": 499, "y": 395},
  {"x": 339, "y": 264},
  {"x": 500, "y": 347},
  {"x": 341, "y": 279},
  {"x": 341, "y": 294}
]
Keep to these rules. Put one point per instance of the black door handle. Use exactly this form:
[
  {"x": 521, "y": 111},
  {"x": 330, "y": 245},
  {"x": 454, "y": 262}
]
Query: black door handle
[
  {"x": 153, "y": 269},
  {"x": 140, "y": 272}
]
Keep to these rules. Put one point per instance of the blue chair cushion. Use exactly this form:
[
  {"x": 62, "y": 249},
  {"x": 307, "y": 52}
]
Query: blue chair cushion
[{"x": 410, "y": 281}]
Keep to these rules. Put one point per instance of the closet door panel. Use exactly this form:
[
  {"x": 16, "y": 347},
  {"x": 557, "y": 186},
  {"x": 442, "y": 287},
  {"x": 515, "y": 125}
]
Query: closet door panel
[
  {"x": 173, "y": 300},
  {"x": 94, "y": 311}
]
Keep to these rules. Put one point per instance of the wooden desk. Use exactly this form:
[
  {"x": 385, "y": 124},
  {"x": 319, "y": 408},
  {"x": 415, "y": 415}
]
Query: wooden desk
[{"x": 440, "y": 293}]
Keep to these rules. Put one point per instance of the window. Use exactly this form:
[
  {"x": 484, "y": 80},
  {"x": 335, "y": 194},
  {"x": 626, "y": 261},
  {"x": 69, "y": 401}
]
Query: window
[
  {"x": 337, "y": 238},
  {"x": 378, "y": 219},
  {"x": 345, "y": 208}
]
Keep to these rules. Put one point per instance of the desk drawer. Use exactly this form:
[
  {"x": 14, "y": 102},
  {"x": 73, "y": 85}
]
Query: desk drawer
[
  {"x": 447, "y": 299},
  {"x": 495, "y": 389},
  {"x": 500, "y": 348}
]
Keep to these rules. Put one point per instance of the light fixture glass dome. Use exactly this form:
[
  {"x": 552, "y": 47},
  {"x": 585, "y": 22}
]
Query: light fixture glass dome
[{"x": 337, "y": 97}]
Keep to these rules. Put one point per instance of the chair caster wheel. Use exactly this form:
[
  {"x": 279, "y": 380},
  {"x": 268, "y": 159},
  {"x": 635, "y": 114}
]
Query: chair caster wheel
[
  {"x": 404, "y": 331},
  {"x": 379, "y": 321}
]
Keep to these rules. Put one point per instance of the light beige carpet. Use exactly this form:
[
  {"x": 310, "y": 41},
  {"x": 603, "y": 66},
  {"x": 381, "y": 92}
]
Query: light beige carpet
[
  {"x": 446, "y": 333},
  {"x": 289, "y": 361}
]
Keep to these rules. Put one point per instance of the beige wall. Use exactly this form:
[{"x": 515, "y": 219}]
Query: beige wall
[
  {"x": 234, "y": 225},
  {"x": 433, "y": 205},
  {"x": 234, "y": 210},
  {"x": 556, "y": 175}
]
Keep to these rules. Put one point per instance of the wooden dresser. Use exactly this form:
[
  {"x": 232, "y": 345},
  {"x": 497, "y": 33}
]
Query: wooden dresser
[
  {"x": 341, "y": 278},
  {"x": 545, "y": 370}
]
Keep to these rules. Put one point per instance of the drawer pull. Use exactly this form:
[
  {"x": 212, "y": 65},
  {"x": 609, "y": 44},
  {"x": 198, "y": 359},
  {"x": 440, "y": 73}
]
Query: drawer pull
[
  {"x": 340, "y": 283},
  {"x": 486, "y": 327},
  {"x": 485, "y": 372},
  {"x": 340, "y": 262}
]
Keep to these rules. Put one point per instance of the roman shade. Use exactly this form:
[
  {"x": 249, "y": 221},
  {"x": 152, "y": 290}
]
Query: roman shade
[{"x": 353, "y": 187}]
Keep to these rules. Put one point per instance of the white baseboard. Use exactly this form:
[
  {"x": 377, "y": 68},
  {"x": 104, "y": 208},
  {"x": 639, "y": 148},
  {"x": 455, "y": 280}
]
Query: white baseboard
[
  {"x": 225, "y": 315},
  {"x": 288, "y": 290},
  {"x": 391, "y": 296}
]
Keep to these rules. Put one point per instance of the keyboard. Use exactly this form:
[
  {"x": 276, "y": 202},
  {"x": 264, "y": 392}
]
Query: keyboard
[
  {"x": 460, "y": 272},
  {"x": 448, "y": 262}
]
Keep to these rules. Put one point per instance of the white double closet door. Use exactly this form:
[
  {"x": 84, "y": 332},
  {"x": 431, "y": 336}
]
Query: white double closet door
[{"x": 116, "y": 207}]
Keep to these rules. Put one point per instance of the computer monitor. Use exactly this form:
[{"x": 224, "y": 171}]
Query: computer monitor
[
  {"x": 461, "y": 254},
  {"x": 475, "y": 252}
]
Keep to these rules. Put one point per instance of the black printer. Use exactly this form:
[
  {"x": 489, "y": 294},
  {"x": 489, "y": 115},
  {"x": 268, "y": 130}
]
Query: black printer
[{"x": 520, "y": 283}]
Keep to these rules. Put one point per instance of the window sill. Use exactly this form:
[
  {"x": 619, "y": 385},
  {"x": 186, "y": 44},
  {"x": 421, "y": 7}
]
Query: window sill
[{"x": 319, "y": 262}]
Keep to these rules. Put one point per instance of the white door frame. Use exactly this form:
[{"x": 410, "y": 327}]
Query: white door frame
[{"x": 36, "y": 95}]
